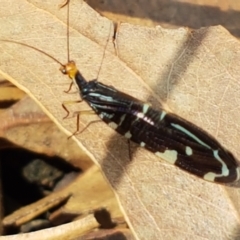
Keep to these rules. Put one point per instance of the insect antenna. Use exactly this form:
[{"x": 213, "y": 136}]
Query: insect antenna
[
  {"x": 104, "y": 53},
  {"x": 34, "y": 48},
  {"x": 40, "y": 50},
  {"x": 115, "y": 27},
  {"x": 68, "y": 12}
]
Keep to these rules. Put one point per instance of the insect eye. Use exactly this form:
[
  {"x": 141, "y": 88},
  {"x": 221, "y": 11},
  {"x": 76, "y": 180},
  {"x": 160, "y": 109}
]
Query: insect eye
[{"x": 63, "y": 70}]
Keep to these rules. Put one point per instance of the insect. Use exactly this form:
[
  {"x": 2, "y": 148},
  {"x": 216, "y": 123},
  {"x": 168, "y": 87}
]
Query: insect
[{"x": 167, "y": 135}]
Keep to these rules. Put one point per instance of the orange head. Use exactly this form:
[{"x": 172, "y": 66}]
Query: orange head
[{"x": 69, "y": 69}]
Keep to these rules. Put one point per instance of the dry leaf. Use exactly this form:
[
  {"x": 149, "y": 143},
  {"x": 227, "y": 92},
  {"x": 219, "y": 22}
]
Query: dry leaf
[
  {"x": 91, "y": 192},
  {"x": 24, "y": 124},
  {"x": 115, "y": 234},
  {"x": 195, "y": 73},
  {"x": 29, "y": 212},
  {"x": 86, "y": 197},
  {"x": 9, "y": 93},
  {"x": 190, "y": 13},
  {"x": 65, "y": 232}
]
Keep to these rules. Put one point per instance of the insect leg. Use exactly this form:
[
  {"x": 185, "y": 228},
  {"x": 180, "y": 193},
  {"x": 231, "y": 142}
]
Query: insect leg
[
  {"x": 70, "y": 87},
  {"x": 116, "y": 27},
  {"x": 87, "y": 112},
  {"x": 68, "y": 103},
  {"x": 129, "y": 149},
  {"x": 63, "y": 4}
]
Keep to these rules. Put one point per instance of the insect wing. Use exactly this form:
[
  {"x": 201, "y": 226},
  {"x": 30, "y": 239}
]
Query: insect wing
[{"x": 167, "y": 135}]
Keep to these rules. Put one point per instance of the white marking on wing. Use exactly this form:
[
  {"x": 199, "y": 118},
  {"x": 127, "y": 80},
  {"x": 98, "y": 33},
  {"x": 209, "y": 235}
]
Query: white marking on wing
[
  {"x": 184, "y": 130},
  {"x": 169, "y": 155},
  {"x": 210, "y": 176},
  {"x": 145, "y": 108},
  {"x": 128, "y": 135},
  {"x": 162, "y": 116},
  {"x": 122, "y": 119},
  {"x": 113, "y": 125},
  {"x": 188, "y": 151}
]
